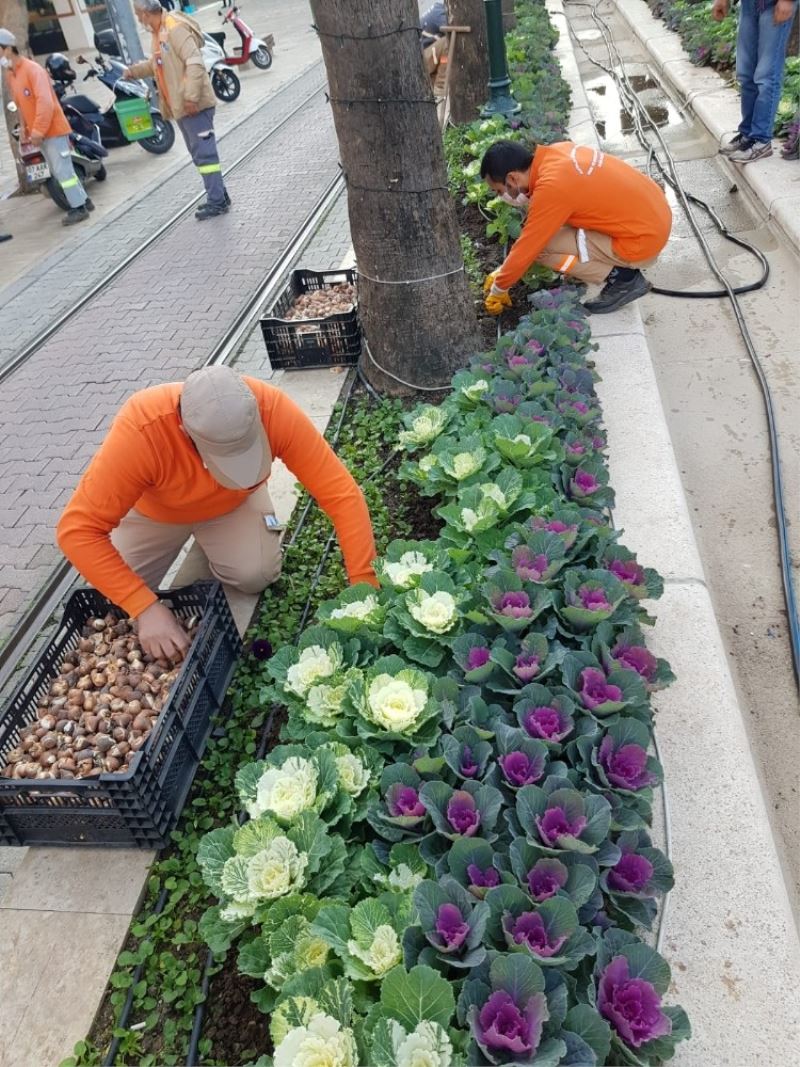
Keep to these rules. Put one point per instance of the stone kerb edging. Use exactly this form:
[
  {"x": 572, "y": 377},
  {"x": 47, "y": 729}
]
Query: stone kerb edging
[
  {"x": 725, "y": 857},
  {"x": 773, "y": 182}
]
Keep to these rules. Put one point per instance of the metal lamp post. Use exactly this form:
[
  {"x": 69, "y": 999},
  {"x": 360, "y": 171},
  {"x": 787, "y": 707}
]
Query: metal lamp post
[{"x": 501, "y": 100}]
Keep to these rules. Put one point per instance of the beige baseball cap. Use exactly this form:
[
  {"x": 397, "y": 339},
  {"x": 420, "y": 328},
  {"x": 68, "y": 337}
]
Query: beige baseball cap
[{"x": 221, "y": 415}]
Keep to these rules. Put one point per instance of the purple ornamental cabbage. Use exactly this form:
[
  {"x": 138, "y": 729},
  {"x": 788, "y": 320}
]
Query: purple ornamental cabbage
[
  {"x": 595, "y": 690},
  {"x": 516, "y": 605},
  {"x": 502, "y": 1026},
  {"x": 482, "y": 879},
  {"x": 631, "y": 874},
  {"x": 402, "y": 801},
  {"x": 545, "y": 878},
  {"x": 580, "y": 406},
  {"x": 467, "y": 766},
  {"x": 631, "y": 1005},
  {"x": 636, "y": 658},
  {"x": 529, "y": 929},
  {"x": 529, "y": 567},
  {"x": 519, "y": 769},
  {"x": 576, "y": 448},
  {"x": 450, "y": 928},
  {"x": 526, "y": 666},
  {"x": 477, "y": 657},
  {"x": 626, "y": 766},
  {"x": 584, "y": 483},
  {"x": 547, "y": 723},
  {"x": 592, "y": 599},
  {"x": 628, "y": 571},
  {"x": 554, "y": 824},
  {"x": 463, "y": 814},
  {"x": 534, "y": 346}
]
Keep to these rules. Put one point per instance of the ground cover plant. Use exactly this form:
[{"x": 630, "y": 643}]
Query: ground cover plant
[
  {"x": 712, "y": 43},
  {"x": 448, "y": 853}
]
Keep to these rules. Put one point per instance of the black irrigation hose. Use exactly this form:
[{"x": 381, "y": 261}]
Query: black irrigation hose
[
  {"x": 122, "y": 1021},
  {"x": 640, "y": 113}
]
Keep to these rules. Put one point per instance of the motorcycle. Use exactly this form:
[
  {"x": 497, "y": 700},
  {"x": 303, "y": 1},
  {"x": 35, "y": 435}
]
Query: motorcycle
[
  {"x": 87, "y": 160},
  {"x": 82, "y": 110},
  {"x": 253, "y": 48},
  {"x": 224, "y": 81}
]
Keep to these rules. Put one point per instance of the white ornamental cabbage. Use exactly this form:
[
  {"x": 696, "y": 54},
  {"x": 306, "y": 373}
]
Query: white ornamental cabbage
[
  {"x": 321, "y": 1043},
  {"x": 276, "y": 870},
  {"x": 353, "y": 775},
  {"x": 394, "y": 702},
  {"x": 384, "y": 953},
  {"x": 427, "y": 1046},
  {"x": 522, "y": 439},
  {"x": 427, "y": 463},
  {"x": 402, "y": 879},
  {"x": 476, "y": 390},
  {"x": 357, "y": 609},
  {"x": 314, "y": 663},
  {"x": 324, "y": 703},
  {"x": 286, "y": 791},
  {"x": 425, "y": 427},
  {"x": 235, "y": 911},
  {"x": 404, "y": 571},
  {"x": 469, "y": 519},
  {"x": 465, "y": 464},
  {"x": 437, "y": 611}
]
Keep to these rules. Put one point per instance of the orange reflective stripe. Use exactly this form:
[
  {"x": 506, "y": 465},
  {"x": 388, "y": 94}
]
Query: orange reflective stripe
[{"x": 566, "y": 264}]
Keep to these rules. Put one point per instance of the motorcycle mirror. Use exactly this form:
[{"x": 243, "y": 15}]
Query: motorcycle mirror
[{"x": 12, "y": 107}]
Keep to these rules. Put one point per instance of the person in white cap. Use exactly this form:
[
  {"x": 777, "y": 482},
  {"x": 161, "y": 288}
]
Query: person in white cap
[
  {"x": 43, "y": 123},
  {"x": 194, "y": 459}
]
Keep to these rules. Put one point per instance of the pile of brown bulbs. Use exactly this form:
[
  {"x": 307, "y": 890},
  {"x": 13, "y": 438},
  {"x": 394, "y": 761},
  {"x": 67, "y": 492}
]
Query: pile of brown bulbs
[
  {"x": 99, "y": 710},
  {"x": 320, "y": 303}
]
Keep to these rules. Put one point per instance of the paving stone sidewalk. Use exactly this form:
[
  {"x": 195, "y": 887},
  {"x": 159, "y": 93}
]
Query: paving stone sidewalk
[
  {"x": 67, "y": 274},
  {"x": 154, "y": 323}
]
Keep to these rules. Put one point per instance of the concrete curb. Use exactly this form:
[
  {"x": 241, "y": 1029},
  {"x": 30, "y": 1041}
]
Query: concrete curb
[
  {"x": 773, "y": 182},
  {"x": 725, "y": 858}
]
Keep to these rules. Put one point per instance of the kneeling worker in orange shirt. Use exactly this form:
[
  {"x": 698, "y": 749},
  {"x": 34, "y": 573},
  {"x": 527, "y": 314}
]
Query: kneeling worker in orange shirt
[
  {"x": 194, "y": 458},
  {"x": 592, "y": 217}
]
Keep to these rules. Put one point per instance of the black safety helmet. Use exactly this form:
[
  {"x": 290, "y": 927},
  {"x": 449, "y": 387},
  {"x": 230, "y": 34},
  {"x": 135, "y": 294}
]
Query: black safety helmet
[{"x": 57, "y": 66}]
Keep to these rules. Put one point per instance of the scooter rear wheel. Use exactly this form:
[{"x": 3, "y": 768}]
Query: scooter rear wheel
[
  {"x": 225, "y": 84},
  {"x": 262, "y": 58},
  {"x": 162, "y": 140}
]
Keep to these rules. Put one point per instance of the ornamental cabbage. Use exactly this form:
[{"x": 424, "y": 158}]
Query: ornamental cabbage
[
  {"x": 384, "y": 953},
  {"x": 353, "y": 775},
  {"x": 405, "y": 571},
  {"x": 313, "y": 663},
  {"x": 396, "y": 702},
  {"x": 436, "y": 612},
  {"x": 423, "y": 426},
  {"x": 276, "y": 870},
  {"x": 287, "y": 790},
  {"x": 324, "y": 703},
  {"x": 321, "y": 1043},
  {"x": 426, "y": 1046},
  {"x": 357, "y": 609}
]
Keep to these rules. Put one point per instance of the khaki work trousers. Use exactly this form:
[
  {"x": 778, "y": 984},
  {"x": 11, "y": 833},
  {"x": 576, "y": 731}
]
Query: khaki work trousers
[
  {"x": 242, "y": 551},
  {"x": 567, "y": 249}
]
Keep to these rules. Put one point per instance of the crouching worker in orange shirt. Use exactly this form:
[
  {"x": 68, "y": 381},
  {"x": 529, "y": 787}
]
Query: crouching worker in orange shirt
[
  {"x": 195, "y": 458},
  {"x": 592, "y": 217}
]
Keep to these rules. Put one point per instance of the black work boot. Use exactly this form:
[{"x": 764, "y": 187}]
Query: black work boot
[
  {"x": 75, "y": 214},
  {"x": 210, "y": 211},
  {"x": 623, "y": 285}
]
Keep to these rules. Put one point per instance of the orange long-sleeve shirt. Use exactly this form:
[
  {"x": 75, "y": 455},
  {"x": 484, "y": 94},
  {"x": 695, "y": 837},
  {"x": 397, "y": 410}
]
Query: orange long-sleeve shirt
[
  {"x": 585, "y": 188},
  {"x": 36, "y": 99},
  {"x": 147, "y": 462}
]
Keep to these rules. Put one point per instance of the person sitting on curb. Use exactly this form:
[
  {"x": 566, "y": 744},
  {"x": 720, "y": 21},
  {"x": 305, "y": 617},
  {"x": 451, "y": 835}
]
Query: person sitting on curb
[
  {"x": 764, "y": 27},
  {"x": 43, "y": 123},
  {"x": 185, "y": 93},
  {"x": 195, "y": 458},
  {"x": 594, "y": 218}
]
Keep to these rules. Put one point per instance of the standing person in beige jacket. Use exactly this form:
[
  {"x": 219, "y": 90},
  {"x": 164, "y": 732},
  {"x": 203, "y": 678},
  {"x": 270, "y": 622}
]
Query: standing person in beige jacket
[{"x": 185, "y": 93}]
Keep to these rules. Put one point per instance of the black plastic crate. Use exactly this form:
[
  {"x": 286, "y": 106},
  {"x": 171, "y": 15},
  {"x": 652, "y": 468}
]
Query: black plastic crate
[
  {"x": 139, "y": 807},
  {"x": 294, "y": 344}
]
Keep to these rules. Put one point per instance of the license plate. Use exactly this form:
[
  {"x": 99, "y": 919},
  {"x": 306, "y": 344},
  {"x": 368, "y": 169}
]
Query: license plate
[{"x": 37, "y": 172}]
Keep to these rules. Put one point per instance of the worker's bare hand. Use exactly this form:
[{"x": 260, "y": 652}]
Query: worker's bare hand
[
  {"x": 719, "y": 10},
  {"x": 783, "y": 11},
  {"x": 36, "y": 139},
  {"x": 190, "y": 107},
  {"x": 161, "y": 635}
]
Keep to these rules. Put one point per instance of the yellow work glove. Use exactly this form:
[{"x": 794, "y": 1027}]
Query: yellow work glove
[
  {"x": 495, "y": 303},
  {"x": 488, "y": 281}
]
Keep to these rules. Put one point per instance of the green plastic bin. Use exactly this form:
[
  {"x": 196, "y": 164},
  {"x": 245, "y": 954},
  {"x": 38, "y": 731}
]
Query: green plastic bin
[{"x": 135, "y": 119}]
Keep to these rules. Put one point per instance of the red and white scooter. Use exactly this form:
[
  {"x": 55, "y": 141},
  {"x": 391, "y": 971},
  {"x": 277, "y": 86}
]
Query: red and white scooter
[{"x": 260, "y": 51}]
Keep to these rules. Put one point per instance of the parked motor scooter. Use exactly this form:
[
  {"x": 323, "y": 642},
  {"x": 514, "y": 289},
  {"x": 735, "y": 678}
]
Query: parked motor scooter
[
  {"x": 109, "y": 73},
  {"x": 87, "y": 161},
  {"x": 224, "y": 81},
  {"x": 256, "y": 48}
]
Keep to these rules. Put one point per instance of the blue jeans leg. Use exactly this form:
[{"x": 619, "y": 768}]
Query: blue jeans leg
[{"x": 760, "y": 63}]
